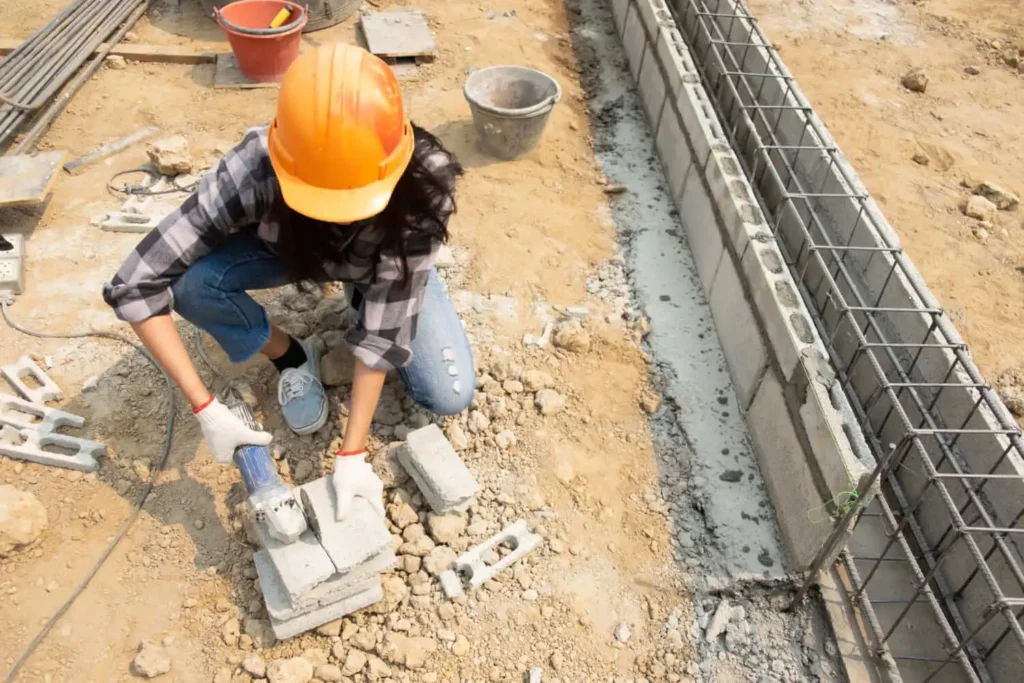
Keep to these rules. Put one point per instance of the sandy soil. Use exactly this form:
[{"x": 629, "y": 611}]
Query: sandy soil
[
  {"x": 530, "y": 231},
  {"x": 849, "y": 57}
]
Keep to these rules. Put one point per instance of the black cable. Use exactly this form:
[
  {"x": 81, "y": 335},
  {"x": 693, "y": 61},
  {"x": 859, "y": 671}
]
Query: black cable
[
  {"x": 154, "y": 471},
  {"x": 144, "y": 190}
]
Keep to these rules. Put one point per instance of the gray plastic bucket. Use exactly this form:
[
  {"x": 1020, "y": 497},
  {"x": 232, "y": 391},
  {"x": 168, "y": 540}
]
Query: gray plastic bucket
[{"x": 510, "y": 106}]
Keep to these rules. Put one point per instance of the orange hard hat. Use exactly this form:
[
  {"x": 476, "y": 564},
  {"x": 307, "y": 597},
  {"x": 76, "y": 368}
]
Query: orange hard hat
[{"x": 340, "y": 140}]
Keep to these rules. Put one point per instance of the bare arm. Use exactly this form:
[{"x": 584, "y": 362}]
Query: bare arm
[
  {"x": 366, "y": 387},
  {"x": 160, "y": 336}
]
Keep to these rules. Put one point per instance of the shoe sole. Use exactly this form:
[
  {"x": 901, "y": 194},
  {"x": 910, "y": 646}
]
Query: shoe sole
[{"x": 320, "y": 422}]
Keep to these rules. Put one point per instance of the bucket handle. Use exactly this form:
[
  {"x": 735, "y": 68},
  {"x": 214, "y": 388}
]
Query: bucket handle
[
  {"x": 547, "y": 103},
  {"x": 290, "y": 26}
]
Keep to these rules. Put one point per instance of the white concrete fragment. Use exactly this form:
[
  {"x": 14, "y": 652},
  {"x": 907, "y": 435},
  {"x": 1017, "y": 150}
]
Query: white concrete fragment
[
  {"x": 48, "y": 389},
  {"x": 18, "y": 412},
  {"x": 122, "y": 221},
  {"x": 31, "y": 449},
  {"x": 440, "y": 474},
  {"x": 451, "y": 584},
  {"x": 536, "y": 674},
  {"x": 718, "y": 622},
  {"x": 477, "y": 572}
]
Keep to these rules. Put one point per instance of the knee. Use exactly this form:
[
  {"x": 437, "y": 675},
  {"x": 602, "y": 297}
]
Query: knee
[
  {"x": 192, "y": 288},
  {"x": 449, "y": 396}
]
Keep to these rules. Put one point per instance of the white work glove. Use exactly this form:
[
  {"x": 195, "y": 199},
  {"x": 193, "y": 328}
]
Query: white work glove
[
  {"x": 352, "y": 477},
  {"x": 224, "y": 432}
]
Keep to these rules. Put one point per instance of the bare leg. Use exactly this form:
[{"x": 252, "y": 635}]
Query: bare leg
[{"x": 277, "y": 344}]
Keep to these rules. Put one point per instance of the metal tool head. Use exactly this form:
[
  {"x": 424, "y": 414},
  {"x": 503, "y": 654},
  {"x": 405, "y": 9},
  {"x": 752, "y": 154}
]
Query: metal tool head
[
  {"x": 311, "y": 518},
  {"x": 282, "y": 516}
]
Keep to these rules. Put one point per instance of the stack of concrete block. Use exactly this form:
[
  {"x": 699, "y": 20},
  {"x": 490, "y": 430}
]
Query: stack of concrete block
[
  {"x": 442, "y": 477},
  {"x": 311, "y": 582},
  {"x": 28, "y": 425}
]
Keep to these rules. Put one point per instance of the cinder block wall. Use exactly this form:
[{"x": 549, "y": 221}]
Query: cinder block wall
[{"x": 798, "y": 421}]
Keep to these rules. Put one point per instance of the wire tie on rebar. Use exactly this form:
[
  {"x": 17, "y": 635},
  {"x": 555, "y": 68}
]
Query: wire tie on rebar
[{"x": 841, "y": 504}]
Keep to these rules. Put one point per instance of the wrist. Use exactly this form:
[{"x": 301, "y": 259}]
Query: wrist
[
  {"x": 198, "y": 407},
  {"x": 350, "y": 454}
]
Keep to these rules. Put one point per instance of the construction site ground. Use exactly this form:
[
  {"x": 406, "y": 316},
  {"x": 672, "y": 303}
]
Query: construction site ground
[{"x": 531, "y": 238}]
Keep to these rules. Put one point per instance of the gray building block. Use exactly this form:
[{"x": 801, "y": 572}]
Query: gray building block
[
  {"x": 673, "y": 149},
  {"x": 47, "y": 390},
  {"x": 651, "y": 85},
  {"x": 31, "y": 449},
  {"x": 701, "y": 225},
  {"x": 699, "y": 122},
  {"x": 123, "y": 221},
  {"x": 18, "y": 413},
  {"x": 735, "y": 200},
  {"x": 653, "y": 14},
  {"x": 348, "y": 543},
  {"x": 12, "y": 266},
  {"x": 738, "y": 331},
  {"x": 300, "y": 566},
  {"x": 676, "y": 61},
  {"x": 328, "y": 613},
  {"x": 471, "y": 564},
  {"x": 634, "y": 40},
  {"x": 440, "y": 474},
  {"x": 339, "y": 587}
]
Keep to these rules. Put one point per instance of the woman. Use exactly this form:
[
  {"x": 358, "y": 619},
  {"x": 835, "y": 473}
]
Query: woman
[{"x": 340, "y": 187}]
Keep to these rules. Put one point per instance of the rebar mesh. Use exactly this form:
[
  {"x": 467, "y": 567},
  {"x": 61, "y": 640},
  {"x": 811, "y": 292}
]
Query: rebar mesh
[{"x": 949, "y": 457}]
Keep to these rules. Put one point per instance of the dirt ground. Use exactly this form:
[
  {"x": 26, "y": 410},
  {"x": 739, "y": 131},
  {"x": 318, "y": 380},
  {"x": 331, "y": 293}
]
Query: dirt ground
[
  {"x": 527, "y": 233},
  {"x": 849, "y": 57}
]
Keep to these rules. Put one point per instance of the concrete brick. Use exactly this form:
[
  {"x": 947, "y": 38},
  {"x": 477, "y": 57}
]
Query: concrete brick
[
  {"x": 699, "y": 122},
  {"x": 300, "y": 566},
  {"x": 121, "y": 221},
  {"x": 786, "y": 473},
  {"x": 653, "y": 14},
  {"x": 18, "y": 413},
  {"x": 778, "y": 305},
  {"x": 339, "y": 587},
  {"x": 676, "y": 61},
  {"x": 47, "y": 390},
  {"x": 702, "y": 232},
  {"x": 440, "y": 474},
  {"x": 674, "y": 151},
  {"x": 651, "y": 85},
  {"x": 328, "y": 613},
  {"x": 31, "y": 449},
  {"x": 731, "y": 192},
  {"x": 451, "y": 584},
  {"x": 472, "y": 566},
  {"x": 619, "y": 8},
  {"x": 738, "y": 331},
  {"x": 634, "y": 41},
  {"x": 12, "y": 266},
  {"x": 354, "y": 540}
]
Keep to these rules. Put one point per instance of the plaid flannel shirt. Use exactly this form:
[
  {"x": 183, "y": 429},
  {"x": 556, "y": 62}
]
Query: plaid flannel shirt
[{"x": 236, "y": 196}]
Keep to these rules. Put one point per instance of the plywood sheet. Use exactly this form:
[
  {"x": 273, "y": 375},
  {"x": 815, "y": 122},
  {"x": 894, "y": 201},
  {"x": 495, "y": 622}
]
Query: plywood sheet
[
  {"x": 27, "y": 179},
  {"x": 398, "y": 34}
]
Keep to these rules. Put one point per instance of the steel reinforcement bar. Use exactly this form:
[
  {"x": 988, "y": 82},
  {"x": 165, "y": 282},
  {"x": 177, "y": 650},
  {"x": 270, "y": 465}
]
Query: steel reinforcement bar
[{"x": 949, "y": 456}]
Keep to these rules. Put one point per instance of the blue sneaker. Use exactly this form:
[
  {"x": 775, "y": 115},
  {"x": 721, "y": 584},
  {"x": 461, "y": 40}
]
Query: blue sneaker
[{"x": 301, "y": 393}]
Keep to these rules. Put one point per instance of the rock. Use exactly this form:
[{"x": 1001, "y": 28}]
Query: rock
[
  {"x": 232, "y": 629},
  {"x": 302, "y": 471},
  {"x": 979, "y": 208},
  {"x": 294, "y": 670},
  {"x": 972, "y": 70},
  {"x": 22, "y": 519},
  {"x": 395, "y": 592},
  {"x": 570, "y": 335},
  {"x": 421, "y": 547},
  {"x": 478, "y": 422},
  {"x": 354, "y": 663},
  {"x": 457, "y": 437},
  {"x": 505, "y": 439},
  {"x": 622, "y": 633},
  {"x": 336, "y": 366},
  {"x": 255, "y": 666},
  {"x": 535, "y": 380},
  {"x": 151, "y": 661},
  {"x": 650, "y": 402},
  {"x": 530, "y": 595},
  {"x": 170, "y": 156},
  {"x": 402, "y": 514},
  {"x": 461, "y": 646},
  {"x": 261, "y": 632},
  {"x": 222, "y": 676},
  {"x": 549, "y": 402},
  {"x": 413, "y": 652},
  {"x": 915, "y": 80},
  {"x": 446, "y": 528},
  {"x": 91, "y": 383},
  {"x": 331, "y": 629},
  {"x": 378, "y": 669},
  {"x": 1003, "y": 199},
  {"x": 723, "y": 613},
  {"x": 440, "y": 558},
  {"x": 921, "y": 159},
  {"x": 328, "y": 672},
  {"x": 116, "y": 62}
]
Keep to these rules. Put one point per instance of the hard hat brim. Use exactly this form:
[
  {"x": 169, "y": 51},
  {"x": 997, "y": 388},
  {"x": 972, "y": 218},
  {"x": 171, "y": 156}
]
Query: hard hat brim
[{"x": 341, "y": 205}]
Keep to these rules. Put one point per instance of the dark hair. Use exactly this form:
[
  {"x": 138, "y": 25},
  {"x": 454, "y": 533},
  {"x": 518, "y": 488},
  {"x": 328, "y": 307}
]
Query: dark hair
[{"x": 416, "y": 216}]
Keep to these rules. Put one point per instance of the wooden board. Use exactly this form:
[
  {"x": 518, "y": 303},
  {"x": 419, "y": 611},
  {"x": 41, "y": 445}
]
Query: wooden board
[
  {"x": 226, "y": 74},
  {"x": 27, "y": 179},
  {"x": 398, "y": 34},
  {"x": 170, "y": 54},
  {"x": 78, "y": 165}
]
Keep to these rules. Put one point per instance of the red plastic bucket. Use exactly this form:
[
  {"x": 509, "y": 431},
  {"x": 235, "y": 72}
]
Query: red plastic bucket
[{"x": 263, "y": 53}]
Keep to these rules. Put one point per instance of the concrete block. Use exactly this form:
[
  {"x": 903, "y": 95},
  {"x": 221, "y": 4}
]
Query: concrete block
[
  {"x": 700, "y": 122},
  {"x": 300, "y": 566},
  {"x": 351, "y": 542},
  {"x": 12, "y": 266},
  {"x": 619, "y": 8},
  {"x": 471, "y": 564},
  {"x": 653, "y": 14},
  {"x": 778, "y": 305},
  {"x": 673, "y": 149},
  {"x": 328, "y": 613},
  {"x": 701, "y": 225},
  {"x": 634, "y": 41},
  {"x": 339, "y": 587},
  {"x": 786, "y": 472},
  {"x": 122, "y": 221},
  {"x": 451, "y": 584},
  {"x": 651, "y": 85},
  {"x": 738, "y": 331},
  {"x": 83, "y": 459},
  {"x": 47, "y": 390},
  {"x": 676, "y": 61},
  {"x": 18, "y": 413},
  {"x": 736, "y": 204},
  {"x": 440, "y": 474}
]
